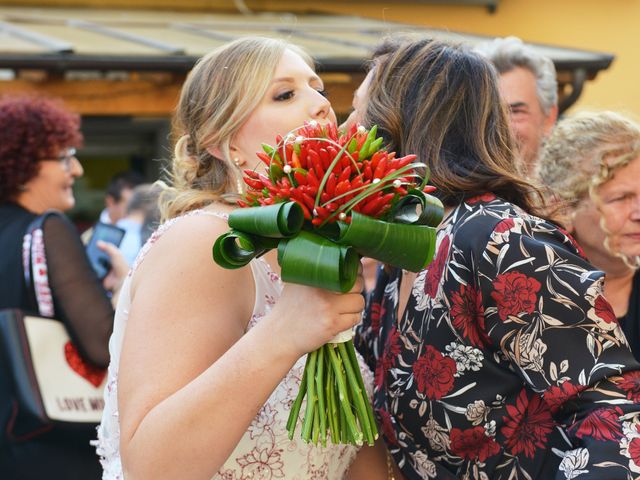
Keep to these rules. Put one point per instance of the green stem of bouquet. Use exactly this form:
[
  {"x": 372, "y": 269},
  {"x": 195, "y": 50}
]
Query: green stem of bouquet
[
  {"x": 356, "y": 391},
  {"x": 307, "y": 424},
  {"x": 337, "y": 404}
]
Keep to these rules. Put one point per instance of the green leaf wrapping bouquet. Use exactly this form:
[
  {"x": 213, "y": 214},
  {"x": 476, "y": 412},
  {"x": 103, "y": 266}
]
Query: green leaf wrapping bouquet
[{"x": 326, "y": 199}]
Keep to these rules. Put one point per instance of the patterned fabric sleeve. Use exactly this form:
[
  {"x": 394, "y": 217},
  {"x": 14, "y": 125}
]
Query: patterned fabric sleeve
[
  {"x": 377, "y": 318},
  {"x": 547, "y": 320}
]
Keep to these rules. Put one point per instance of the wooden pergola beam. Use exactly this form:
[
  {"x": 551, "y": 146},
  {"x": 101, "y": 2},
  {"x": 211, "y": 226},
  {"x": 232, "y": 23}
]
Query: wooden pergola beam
[{"x": 144, "y": 96}]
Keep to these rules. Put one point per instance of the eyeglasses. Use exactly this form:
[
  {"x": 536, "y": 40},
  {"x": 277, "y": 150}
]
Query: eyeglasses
[{"x": 66, "y": 159}]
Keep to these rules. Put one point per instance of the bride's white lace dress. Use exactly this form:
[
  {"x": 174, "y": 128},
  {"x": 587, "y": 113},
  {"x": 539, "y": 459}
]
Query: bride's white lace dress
[{"x": 264, "y": 452}]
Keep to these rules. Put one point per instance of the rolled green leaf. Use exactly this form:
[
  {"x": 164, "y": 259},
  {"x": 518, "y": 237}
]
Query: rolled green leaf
[
  {"x": 276, "y": 221},
  {"x": 310, "y": 259},
  {"x": 236, "y": 249},
  {"x": 410, "y": 247},
  {"x": 419, "y": 208}
]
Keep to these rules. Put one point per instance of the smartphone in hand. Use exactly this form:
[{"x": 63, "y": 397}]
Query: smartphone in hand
[{"x": 100, "y": 260}]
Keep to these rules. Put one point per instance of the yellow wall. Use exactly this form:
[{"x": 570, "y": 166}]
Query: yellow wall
[{"x": 600, "y": 25}]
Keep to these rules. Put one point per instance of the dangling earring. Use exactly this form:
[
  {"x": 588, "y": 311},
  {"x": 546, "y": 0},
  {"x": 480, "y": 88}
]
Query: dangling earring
[{"x": 236, "y": 161}]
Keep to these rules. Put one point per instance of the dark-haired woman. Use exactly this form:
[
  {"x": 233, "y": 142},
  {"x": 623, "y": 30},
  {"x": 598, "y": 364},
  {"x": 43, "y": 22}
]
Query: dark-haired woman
[
  {"x": 38, "y": 167},
  {"x": 501, "y": 359}
]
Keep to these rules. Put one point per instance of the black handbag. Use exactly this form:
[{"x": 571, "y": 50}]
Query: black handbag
[{"x": 53, "y": 385}]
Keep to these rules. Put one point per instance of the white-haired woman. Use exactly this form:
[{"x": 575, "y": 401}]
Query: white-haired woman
[{"x": 591, "y": 166}]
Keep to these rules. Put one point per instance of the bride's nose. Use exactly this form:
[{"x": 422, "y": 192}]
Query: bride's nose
[{"x": 321, "y": 107}]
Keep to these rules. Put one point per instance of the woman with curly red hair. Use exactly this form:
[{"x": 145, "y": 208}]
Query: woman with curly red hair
[{"x": 38, "y": 167}]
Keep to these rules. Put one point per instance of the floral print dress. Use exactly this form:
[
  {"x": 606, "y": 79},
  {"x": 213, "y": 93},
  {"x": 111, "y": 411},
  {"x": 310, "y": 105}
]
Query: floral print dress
[
  {"x": 265, "y": 451},
  {"x": 508, "y": 363}
]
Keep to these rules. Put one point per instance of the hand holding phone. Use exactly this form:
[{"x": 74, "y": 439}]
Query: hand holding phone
[{"x": 99, "y": 259}]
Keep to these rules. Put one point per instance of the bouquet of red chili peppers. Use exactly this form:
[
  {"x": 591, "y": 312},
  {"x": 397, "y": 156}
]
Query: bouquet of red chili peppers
[{"x": 327, "y": 198}]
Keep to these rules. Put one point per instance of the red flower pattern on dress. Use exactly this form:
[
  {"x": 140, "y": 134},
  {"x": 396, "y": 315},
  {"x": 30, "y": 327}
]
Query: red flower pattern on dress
[
  {"x": 262, "y": 463},
  {"x": 467, "y": 313},
  {"x": 473, "y": 444},
  {"x": 604, "y": 311},
  {"x": 634, "y": 450},
  {"x": 387, "y": 427},
  {"x": 391, "y": 351},
  {"x": 515, "y": 293},
  {"x": 434, "y": 373},
  {"x": 505, "y": 225},
  {"x": 528, "y": 424},
  {"x": 485, "y": 197},
  {"x": 377, "y": 311},
  {"x": 557, "y": 348},
  {"x": 601, "y": 424},
  {"x": 630, "y": 383},
  {"x": 434, "y": 272},
  {"x": 556, "y": 396}
]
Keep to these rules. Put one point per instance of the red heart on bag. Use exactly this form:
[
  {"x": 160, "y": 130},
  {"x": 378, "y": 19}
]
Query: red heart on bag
[{"x": 91, "y": 374}]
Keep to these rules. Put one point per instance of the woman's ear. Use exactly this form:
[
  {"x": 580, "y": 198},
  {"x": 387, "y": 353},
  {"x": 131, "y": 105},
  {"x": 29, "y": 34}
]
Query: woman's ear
[
  {"x": 215, "y": 151},
  {"x": 568, "y": 223}
]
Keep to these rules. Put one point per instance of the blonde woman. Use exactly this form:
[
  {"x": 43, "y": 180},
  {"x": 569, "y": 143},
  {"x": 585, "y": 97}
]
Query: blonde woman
[
  {"x": 591, "y": 165},
  {"x": 205, "y": 362}
]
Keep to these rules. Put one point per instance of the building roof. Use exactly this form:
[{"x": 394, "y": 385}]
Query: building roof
[{"x": 63, "y": 40}]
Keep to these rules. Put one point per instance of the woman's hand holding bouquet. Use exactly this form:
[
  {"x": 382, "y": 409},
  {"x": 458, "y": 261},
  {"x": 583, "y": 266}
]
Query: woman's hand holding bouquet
[{"x": 326, "y": 199}]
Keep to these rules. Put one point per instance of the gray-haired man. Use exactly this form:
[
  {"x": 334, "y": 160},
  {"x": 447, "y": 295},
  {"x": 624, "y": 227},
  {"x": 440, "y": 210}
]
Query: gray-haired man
[{"x": 529, "y": 87}]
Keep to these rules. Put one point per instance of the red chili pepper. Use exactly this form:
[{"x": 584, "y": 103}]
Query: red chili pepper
[
  {"x": 296, "y": 196},
  {"x": 364, "y": 204},
  {"x": 264, "y": 157},
  {"x": 341, "y": 188},
  {"x": 295, "y": 161},
  {"x": 312, "y": 179},
  {"x": 429, "y": 189},
  {"x": 253, "y": 183},
  {"x": 242, "y": 204},
  {"x": 330, "y": 186},
  {"x": 333, "y": 153},
  {"x": 375, "y": 158},
  {"x": 380, "y": 169},
  {"x": 378, "y": 213},
  {"x": 304, "y": 151},
  {"x": 322, "y": 211},
  {"x": 325, "y": 158},
  {"x": 357, "y": 182},
  {"x": 310, "y": 202},
  {"x": 373, "y": 207},
  {"x": 368, "y": 173},
  {"x": 300, "y": 178},
  {"x": 251, "y": 173},
  {"x": 345, "y": 174},
  {"x": 316, "y": 162},
  {"x": 265, "y": 180},
  {"x": 404, "y": 161}
]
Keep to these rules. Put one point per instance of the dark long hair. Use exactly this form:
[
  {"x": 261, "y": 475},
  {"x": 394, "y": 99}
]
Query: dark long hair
[{"x": 441, "y": 102}]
